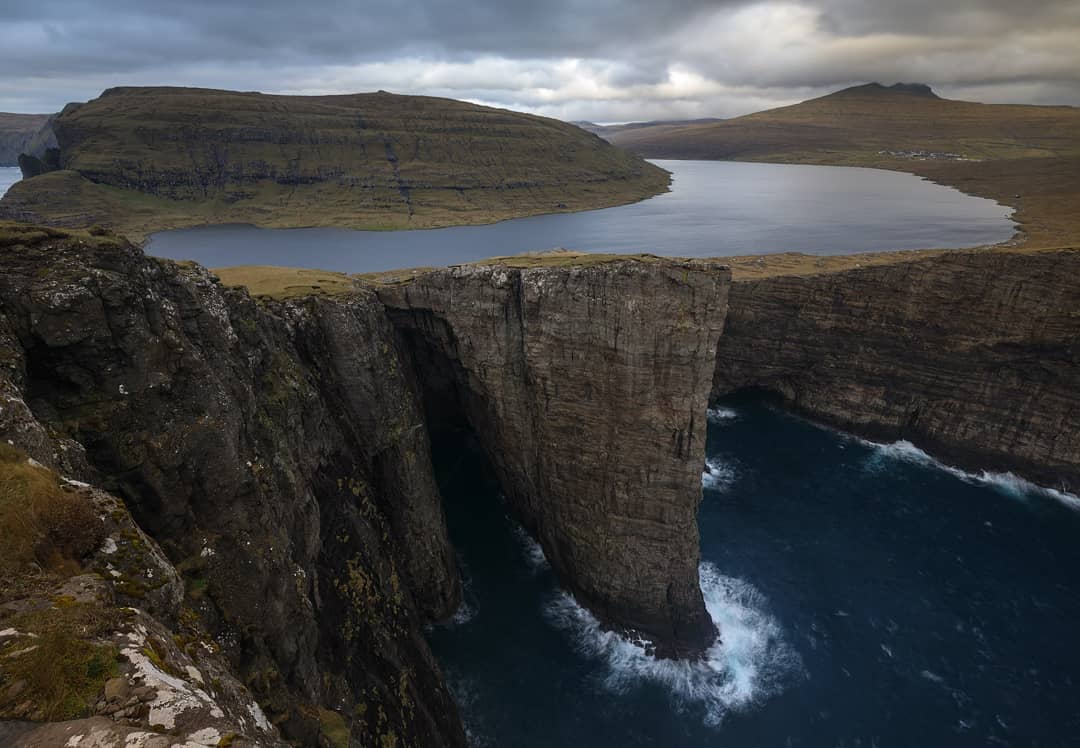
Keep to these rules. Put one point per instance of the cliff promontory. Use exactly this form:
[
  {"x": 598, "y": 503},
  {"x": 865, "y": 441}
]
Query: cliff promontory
[
  {"x": 273, "y": 460},
  {"x": 145, "y": 159}
]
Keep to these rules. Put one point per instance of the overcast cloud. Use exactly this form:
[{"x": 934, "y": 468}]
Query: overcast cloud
[{"x": 601, "y": 60}]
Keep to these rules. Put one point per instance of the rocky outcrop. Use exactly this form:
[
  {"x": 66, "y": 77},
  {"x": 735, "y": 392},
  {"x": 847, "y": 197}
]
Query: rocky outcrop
[
  {"x": 974, "y": 356},
  {"x": 277, "y": 454},
  {"x": 587, "y": 388}
]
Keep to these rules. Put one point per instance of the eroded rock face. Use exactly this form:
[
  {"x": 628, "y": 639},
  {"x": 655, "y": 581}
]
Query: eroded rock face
[
  {"x": 587, "y": 388},
  {"x": 278, "y": 456},
  {"x": 972, "y": 356}
]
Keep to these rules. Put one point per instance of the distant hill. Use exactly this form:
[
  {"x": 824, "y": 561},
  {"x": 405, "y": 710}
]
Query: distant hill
[
  {"x": 17, "y": 133},
  {"x": 143, "y": 159},
  {"x": 1027, "y": 157},
  {"x": 866, "y": 125},
  {"x": 604, "y": 131}
]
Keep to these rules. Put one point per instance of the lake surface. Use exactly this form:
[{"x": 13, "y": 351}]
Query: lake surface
[
  {"x": 9, "y": 175},
  {"x": 715, "y": 208},
  {"x": 866, "y": 596}
]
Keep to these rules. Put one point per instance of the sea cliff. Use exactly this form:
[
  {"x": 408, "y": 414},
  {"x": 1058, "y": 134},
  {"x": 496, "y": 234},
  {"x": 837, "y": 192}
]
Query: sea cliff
[{"x": 234, "y": 527}]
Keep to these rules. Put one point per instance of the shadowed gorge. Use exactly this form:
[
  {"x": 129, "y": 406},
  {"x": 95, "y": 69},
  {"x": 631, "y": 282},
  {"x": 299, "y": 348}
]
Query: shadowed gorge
[{"x": 146, "y": 159}]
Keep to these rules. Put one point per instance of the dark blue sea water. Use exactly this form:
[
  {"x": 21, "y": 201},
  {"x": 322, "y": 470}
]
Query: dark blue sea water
[
  {"x": 866, "y": 596},
  {"x": 714, "y": 208}
]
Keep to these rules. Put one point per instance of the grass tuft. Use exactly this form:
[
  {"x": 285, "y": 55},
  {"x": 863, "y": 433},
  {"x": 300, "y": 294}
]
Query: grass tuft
[{"x": 42, "y": 523}]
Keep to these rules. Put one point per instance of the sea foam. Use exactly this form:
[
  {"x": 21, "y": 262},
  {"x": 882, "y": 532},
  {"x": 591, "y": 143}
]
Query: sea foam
[
  {"x": 720, "y": 415},
  {"x": 1007, "y": 483},
  {"x": 718, "y": 475},
  {"x": 749, "y": 663},
  {"x": 534, "y": 553}
]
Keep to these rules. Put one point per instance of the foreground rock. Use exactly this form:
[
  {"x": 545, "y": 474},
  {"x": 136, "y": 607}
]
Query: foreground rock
[{"x": 277, "y": 455}]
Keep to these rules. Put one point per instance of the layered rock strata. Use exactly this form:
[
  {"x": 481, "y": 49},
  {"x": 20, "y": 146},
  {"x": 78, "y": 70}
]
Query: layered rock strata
[
  {"x": 973, "y": 356},
  {"x": 587, "y": 388}
]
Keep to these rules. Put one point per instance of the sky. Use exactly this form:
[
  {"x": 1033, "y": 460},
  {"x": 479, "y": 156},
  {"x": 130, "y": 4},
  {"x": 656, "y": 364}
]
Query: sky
[{"x": 598, "y": 60}]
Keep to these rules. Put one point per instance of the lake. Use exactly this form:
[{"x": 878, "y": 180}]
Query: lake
[
  {"x": 715, "y": 208},
  {"x": 865, "y": 594},
  {"x": 9, "y": 175}
]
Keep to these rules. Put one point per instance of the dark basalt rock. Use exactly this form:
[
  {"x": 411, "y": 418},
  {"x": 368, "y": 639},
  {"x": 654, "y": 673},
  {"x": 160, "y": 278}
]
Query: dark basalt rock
[
  {"x": 973, "y": 356},
  {"x": 276, "y": 453}
]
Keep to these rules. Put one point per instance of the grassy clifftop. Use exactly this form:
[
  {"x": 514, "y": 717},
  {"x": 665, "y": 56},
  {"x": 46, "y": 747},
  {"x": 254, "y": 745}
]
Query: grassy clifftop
[{"x": 141, "y": 159}]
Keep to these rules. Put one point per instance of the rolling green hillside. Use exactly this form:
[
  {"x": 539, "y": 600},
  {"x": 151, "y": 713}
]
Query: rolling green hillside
[{"x": 143, "y": 159}]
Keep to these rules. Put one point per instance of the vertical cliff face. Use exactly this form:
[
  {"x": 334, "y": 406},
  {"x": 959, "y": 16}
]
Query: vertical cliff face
[
  {"x": 278, "y": 455},
  {"x": 587, "y": 388},
  {"x": 973, "y": 356}
]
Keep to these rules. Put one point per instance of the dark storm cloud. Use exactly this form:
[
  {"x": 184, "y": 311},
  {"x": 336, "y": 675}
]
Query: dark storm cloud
[{"x": 596, "y": 59}]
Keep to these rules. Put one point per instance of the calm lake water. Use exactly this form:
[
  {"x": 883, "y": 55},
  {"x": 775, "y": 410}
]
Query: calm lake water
[
  {"x": 9, "y": 175},
  {"x": 866, "y": 596},
  {"x": 715, "y": 208}
]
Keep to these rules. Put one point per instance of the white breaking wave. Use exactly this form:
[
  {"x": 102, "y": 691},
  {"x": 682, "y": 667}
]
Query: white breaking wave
[
  {"x": 534, "y": 554},
  {"x": 719, "y": 415},
  {"x": 465, "y": 613},
  {"x": 717, "y": 475},
  {"x": 749, "y": 663},
  {"x": 465, "y": 695},
  {"x": 468, "y": 608},
  {"x": 1008, "y": 483}
]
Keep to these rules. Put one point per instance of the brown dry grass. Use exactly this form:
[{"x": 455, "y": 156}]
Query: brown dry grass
[
  {"x": 271, "y": 281},
  {"x": 42, "y": 523}
]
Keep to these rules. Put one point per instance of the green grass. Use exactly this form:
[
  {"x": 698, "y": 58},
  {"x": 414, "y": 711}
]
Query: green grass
[
  {"x": 141, "y": 160},
  {"x": 63, "y": 675}
]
